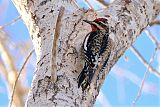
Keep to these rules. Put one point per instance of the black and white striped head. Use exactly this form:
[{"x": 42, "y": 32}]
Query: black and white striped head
[{"x": 98, "y": 24}]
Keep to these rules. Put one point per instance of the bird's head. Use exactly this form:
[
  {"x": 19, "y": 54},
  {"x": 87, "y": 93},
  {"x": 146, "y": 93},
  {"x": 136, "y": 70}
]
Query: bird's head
[{"x": 98, "y": 24}]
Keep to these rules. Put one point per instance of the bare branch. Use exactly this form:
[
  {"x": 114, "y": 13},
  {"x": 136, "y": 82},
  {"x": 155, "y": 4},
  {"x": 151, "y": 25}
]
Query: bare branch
[
  {"x": 55, "y": 44},
  {"x": 41, "y": 30},
  {"x": 129, "y": 75},
  {"x": 153, "y": 38},
  {"x": 3, "y": 71},
  {"x": 11, "y": 72},
  {"x": 14, "y": 87},
  {"x": 103, "y": 2},
  {"x": 144, "y": 78},
  {"x": 88, "y": 4},
  {"x": 140, "y": 57},
  {"x": 155, "y": 22},
  {"x": 12, "y": 22},
  {"x": 76, "y": 3}
]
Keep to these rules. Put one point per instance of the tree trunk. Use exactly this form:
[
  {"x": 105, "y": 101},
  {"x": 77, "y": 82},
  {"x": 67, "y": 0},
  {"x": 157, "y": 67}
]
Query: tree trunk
[{"x": 56, "y": 25}]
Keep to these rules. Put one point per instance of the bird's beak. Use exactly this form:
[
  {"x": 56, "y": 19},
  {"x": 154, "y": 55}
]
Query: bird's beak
[{"x": 89, "y": 22}]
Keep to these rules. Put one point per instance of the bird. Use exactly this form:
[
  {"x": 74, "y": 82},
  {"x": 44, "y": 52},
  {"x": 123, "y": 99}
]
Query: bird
[{"x": 96, "y": 44}]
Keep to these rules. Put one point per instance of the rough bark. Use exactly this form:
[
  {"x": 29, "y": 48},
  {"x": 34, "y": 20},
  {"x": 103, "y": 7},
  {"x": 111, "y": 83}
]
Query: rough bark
[{"x": 127, "y": 18}]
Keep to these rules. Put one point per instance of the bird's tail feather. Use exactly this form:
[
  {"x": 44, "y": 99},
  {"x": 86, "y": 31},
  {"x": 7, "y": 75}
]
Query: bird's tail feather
[{"x": 86, "y": 76}]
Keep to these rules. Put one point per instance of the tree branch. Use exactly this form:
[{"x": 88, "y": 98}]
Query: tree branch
[
  {"x": 140, "y": 57},
  {"x": 144, "y": 78},
  {"x": 103, "y": 2},
  {"x": 126, "y": 21},
  {"x": 153, "y": 38},
  {"x": 155, "y": 22},
  {"x": 12, "y": 22},
  {"x": 11, "y": 74},
  {"x": 55, "y": 44},
  {"x": 88, "y": 4},
  {"x": 16, "y": 81}
]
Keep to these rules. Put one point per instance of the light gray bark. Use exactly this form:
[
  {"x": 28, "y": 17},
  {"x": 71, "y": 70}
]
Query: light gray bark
[{"x": 127, "y": 18}]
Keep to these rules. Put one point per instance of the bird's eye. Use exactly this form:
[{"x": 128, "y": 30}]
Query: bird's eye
[{"x": 105, "y": 21}]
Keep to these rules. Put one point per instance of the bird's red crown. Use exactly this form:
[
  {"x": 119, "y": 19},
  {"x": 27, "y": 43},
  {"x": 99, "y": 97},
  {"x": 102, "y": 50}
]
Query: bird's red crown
[{"x": 100, "y": 19}]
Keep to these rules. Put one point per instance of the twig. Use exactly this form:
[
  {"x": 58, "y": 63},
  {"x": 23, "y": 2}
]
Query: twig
[
  {"x": 140, "y": 57},
  {"x": 129, "y": 75},
  {"x": 103, "y": 2},
  {"x": 11, "y": 70},
  {"x": 143, "y": 80},
  {"x": 8, "y": 24},
  {"x": 155, "y": 22},
  {"x": 3, "y": 71},
  {"x": 74, "y": 1},
  {"x": 14, "y": 87},
  {"x": 153, "y": 38},
  {"x": 55, "y": 45},
  {"x": 88, "y": 4}
]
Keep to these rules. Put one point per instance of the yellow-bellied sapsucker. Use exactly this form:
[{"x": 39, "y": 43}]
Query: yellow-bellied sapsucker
[{"x": 96, "y": 44}]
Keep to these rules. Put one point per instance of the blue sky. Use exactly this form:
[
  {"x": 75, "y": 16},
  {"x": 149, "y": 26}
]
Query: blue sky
[{"x": 121, "y": 85}]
